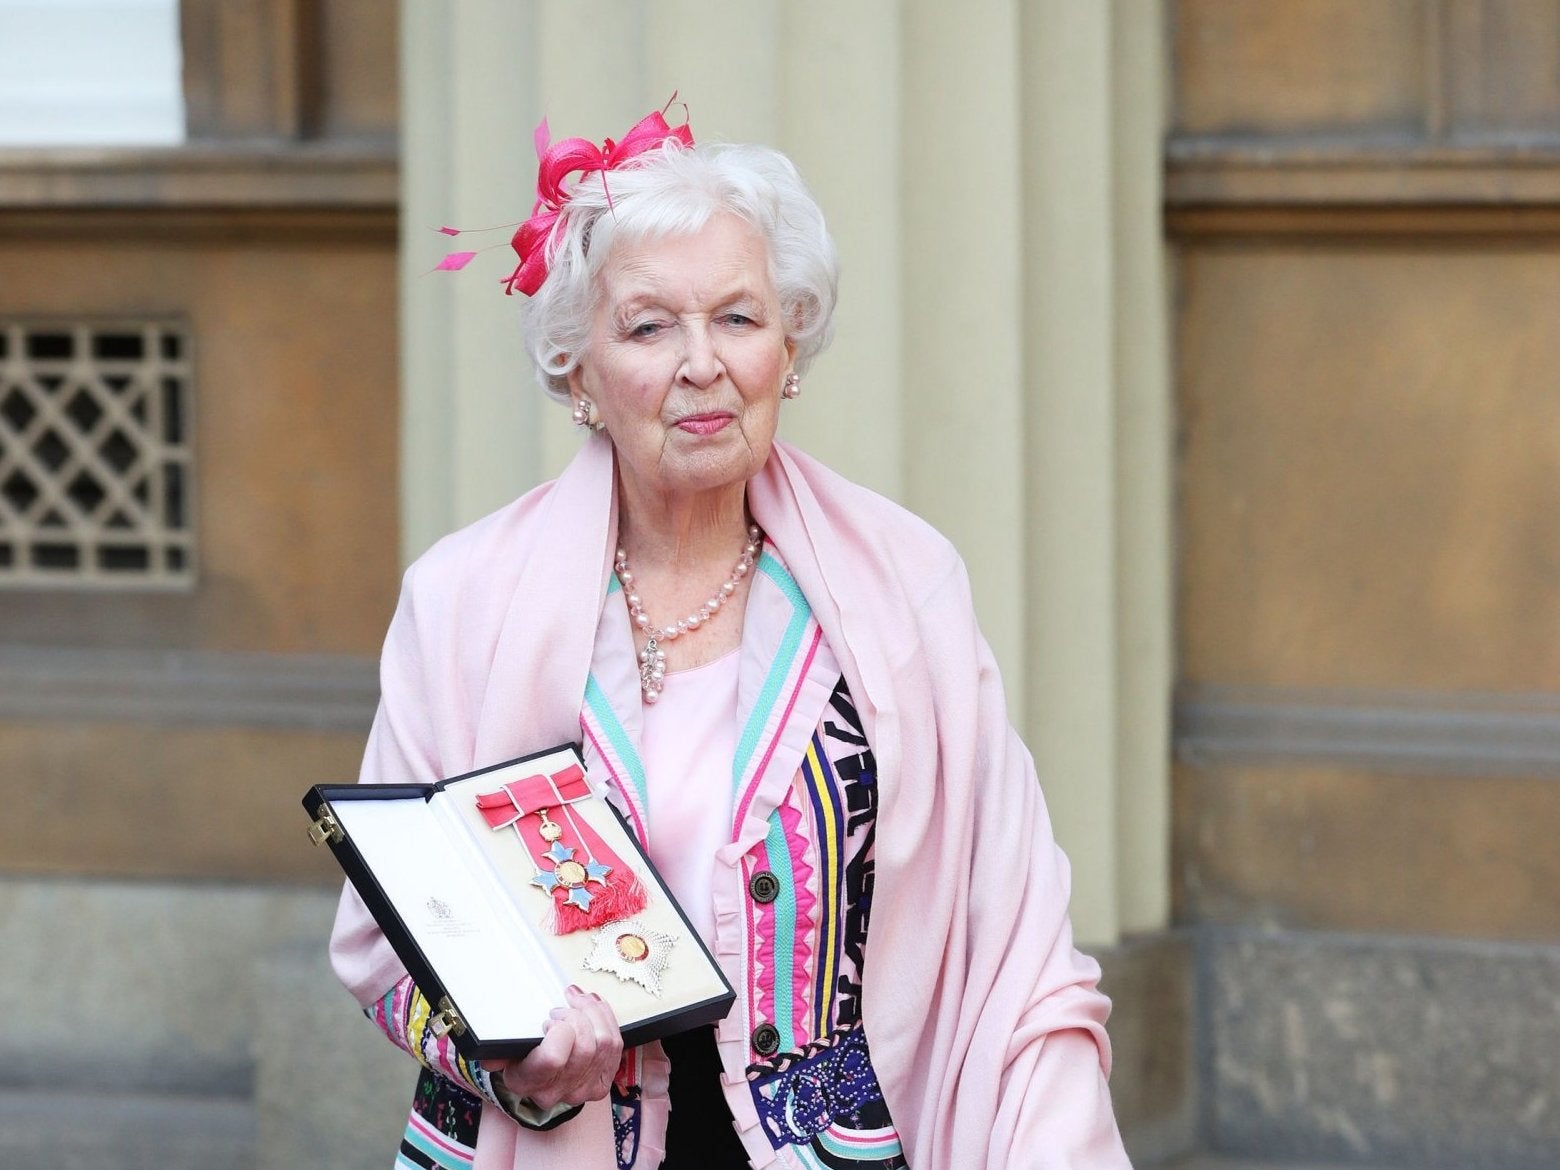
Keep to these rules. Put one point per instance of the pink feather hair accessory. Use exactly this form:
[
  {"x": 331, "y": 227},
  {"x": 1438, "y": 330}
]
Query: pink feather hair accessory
[{"x": 557, "y": 161}]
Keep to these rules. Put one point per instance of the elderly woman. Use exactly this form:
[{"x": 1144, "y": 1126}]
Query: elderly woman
[{"x": 779, "y": 675}]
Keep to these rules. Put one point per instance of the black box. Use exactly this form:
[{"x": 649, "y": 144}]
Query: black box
[{"x": 469, "y": 910}]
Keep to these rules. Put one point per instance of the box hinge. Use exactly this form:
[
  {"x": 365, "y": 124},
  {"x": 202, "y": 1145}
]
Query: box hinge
[
  {"x": 326, "y": 828},
  {"x": 446, "y": 1021}
]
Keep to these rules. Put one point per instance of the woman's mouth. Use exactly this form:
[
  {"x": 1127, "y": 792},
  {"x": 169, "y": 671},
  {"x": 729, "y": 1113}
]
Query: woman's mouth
[{"x": 703, "y": 424}]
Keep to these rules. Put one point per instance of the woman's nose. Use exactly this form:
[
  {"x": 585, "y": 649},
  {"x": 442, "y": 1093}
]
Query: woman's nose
[{"x": 701, "y": 361}]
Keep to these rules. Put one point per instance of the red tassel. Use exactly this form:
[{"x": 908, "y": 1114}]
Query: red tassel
[{"x": 616, "y": 900}]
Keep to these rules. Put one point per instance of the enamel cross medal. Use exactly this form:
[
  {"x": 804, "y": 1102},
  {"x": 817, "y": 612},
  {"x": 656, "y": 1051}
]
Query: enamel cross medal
[
  {"x": 589, "y": 886},
  {"x": 567, "y": 873}
]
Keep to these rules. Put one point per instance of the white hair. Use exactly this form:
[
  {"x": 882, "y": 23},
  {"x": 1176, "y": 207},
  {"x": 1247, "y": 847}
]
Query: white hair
[{"x": 675, "y": 190}]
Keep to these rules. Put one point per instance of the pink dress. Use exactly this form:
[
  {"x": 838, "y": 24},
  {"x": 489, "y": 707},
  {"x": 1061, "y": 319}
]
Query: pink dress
[{"x": 688, "y": 743}]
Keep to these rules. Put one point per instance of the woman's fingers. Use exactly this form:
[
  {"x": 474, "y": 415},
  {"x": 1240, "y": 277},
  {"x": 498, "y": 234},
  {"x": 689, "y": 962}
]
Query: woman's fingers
[
  {"x": 597, "y": 1052},
  {"x": 577, "y": 1058},
  {"x": 603, "y": 1022},
  {"x": 542, "y": 1075}
]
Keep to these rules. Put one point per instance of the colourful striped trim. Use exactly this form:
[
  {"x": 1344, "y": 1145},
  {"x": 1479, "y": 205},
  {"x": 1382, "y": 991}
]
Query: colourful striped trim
[
  {"x": 388, "y": 1015},
  {"x": 778, "y": 946},
  {"x": 443, "y": 1150},
  {"x": 774, "y": 742},
  {"x": 438, "y": 1052},
  {"x": 761, "y": 944},
  {"x": 770, "y": 566},
  {"x": 802, "y": 838},
  {"x": 861, "y": 1144},
  {"x": 404, "y": 1015},
  {"x": 606, "y": 718},
  {"x": 634, "y": 813},
  {"x": 783, "y": 910},
  {"x": 447, "y": 1060},
  {"x": 790, "y": 642},
  {"x": 828, "y": 816}
]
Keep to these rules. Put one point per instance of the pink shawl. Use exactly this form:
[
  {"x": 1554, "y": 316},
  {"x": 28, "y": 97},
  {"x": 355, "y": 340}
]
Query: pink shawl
[{"x": 987, "y": 1031}]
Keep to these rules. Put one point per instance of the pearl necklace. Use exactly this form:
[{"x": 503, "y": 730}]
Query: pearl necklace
[{"x": 652, "y": 659}]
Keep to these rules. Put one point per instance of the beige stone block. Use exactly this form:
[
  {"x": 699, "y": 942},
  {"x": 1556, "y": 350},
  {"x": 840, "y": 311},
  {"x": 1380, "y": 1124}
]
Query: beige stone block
[
  {"x": 1303, "y": 65},
  {"x": 1338, "y": 848},
  {"x": 132, "y": 799},
  {"x": 1368, "y": 467}
]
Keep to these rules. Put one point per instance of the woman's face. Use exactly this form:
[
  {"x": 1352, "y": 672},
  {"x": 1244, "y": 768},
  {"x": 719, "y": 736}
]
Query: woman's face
[{"x": 686, "y": 359}]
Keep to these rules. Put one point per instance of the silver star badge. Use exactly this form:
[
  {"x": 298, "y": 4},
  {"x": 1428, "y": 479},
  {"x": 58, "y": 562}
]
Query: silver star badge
[{"x": 632, "y": 951}]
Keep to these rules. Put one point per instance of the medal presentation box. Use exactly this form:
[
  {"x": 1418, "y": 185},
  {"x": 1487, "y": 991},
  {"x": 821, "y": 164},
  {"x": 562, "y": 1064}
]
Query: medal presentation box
[{"x": 499, "y": 888}]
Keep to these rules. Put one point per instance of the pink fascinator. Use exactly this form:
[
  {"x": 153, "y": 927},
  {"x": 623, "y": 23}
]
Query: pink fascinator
[{"x": 557, "y": 161}]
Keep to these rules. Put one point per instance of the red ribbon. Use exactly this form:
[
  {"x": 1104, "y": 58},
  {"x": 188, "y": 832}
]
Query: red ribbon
[
  {"x": 618, "y": 894},
  {"x": 520, "y": 798},
  {"x": 576, "y": 156}
]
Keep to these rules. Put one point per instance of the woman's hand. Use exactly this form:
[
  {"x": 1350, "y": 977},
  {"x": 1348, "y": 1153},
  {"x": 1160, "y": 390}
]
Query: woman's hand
[{"x": 579, "y": 1055}]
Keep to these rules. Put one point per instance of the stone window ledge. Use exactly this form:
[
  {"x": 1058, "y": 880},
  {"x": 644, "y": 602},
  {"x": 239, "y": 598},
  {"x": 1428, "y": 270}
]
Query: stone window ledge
[
  {"x": 315, "y": 692},
  {"x": 1231, "y": 170},
  {"x": 344, "y": 175}
]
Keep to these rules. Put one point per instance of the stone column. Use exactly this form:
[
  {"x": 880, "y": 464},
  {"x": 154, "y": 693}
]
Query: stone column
[{"x": 991, "y": 176}]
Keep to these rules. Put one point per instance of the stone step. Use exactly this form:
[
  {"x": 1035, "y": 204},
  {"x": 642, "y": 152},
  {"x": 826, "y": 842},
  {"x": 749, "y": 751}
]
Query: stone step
[{"x": 97, "y": 1131}]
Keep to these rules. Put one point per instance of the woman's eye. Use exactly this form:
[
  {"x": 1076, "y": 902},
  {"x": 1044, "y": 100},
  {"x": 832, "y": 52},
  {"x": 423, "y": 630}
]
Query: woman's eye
[
  {"x": 645, "y": 329},
  {"x": 738, "y": 319}
]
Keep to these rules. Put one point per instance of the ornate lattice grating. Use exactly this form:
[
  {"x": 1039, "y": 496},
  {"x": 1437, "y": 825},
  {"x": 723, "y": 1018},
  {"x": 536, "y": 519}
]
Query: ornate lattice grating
[{"x": 95, "y": 455}]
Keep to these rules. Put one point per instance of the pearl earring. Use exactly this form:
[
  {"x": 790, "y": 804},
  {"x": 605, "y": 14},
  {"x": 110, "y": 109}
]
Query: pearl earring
[
  {"x": 582, "y": 412},
  {"x": 792, "y": 387}
]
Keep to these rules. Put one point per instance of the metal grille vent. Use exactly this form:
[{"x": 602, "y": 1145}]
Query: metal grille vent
[{"x": 95, "y": 455}]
